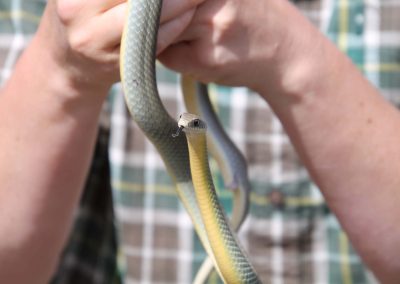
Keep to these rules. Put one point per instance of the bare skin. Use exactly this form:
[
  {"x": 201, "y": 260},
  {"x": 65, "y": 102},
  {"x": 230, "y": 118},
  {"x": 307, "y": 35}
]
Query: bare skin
[
  {"x": 49, "y": 118},
  {"x": 345, "y": 133}
]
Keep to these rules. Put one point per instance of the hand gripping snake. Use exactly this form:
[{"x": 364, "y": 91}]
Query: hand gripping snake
[{"x": 138, "y": 50}]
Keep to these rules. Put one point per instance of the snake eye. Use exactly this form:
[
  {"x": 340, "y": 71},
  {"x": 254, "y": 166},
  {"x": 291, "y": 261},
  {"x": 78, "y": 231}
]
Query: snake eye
[{"x": 196, "y": 123}]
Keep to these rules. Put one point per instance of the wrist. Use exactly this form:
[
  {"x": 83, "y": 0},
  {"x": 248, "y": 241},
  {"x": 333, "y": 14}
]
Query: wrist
[
  {"x": 50, "y": 89},
  {"x": 301, "y": 61},
  {"x": 69, "y": 84},
  {"x": 74, "y": 76}
]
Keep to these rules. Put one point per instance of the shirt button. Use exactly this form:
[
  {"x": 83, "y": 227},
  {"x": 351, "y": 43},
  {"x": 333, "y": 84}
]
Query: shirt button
[{"x": 277, "y": 199}]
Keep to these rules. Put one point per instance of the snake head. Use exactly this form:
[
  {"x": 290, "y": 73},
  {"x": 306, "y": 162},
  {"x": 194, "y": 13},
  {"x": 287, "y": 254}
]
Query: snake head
[{"x": 192, "y": 124}]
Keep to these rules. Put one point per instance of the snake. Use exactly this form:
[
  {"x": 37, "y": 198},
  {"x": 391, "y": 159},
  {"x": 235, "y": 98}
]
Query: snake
[
  {"x": 138, "y": 77},
  {"x": 233, "y": 264},
  {"x": 229, "y": 158}
]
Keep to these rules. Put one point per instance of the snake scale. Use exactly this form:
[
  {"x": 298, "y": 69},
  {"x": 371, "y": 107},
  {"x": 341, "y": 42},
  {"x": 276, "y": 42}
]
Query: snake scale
[{"x": 138, "y": 53}]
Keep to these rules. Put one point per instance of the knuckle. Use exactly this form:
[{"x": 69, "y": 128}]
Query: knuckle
[
  {"x": 221, "y": 57},
  {"x": 193, "y": 3},
  {"x": 79, "y": 41},
  {"x": 208, "y": 24},
  {"x": 216, "y": 62},
  {"x": 224, "y": 29},
  {"x": 209, "y": 60},
  {"x": 67, "y": 10},
  {"x": 224, "y": 23}
]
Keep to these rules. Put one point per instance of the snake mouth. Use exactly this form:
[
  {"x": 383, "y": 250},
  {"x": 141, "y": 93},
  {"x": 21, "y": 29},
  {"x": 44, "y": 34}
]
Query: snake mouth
[{"x": 178, "y": 131}]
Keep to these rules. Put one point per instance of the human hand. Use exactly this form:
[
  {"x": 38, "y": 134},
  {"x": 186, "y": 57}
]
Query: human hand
[
  {"x": 242, "y": 43},
  {"x": 83, "y": 37}
]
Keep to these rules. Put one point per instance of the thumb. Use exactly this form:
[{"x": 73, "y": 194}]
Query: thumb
[
  {"x": 171, "y": 30},
  {"x": 179, "y": 57}
]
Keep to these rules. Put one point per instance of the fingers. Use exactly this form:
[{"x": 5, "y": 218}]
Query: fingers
[
  {"x": 97, "y": 39},
  {"x": 174, "y": 8},
  {"x": 93, "y": 28},
  {"x": 105, "y": 5},
  {"x": 204, "y": 22},
  {"x": 77, "y": 10},
  {"x": 200, "y": 60},
  {"x": 169, "y": 31},
  {"x": 104, "y": 20},
  {"x": 116, "y": 16}
]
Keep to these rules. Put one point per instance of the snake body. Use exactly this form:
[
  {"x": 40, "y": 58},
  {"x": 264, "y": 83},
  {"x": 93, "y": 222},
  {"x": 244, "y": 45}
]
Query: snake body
[
  {"x": 232, "y": 262},
  {"x": 138, "y": 50},
  {"x": 138, "y": 78},
  {"x": 229, "y": 158}
]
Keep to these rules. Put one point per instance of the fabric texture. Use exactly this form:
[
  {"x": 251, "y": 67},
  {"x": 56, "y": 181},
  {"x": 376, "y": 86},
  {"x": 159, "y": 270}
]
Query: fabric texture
[{"x": 290, "y": 234}]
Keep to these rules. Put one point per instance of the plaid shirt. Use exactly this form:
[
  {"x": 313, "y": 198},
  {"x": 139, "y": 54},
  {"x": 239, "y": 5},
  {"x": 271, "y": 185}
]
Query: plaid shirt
[{"x": 290, "y": 234}]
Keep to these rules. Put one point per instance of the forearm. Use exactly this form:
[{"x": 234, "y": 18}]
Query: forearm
[
  {"x": 347, "y": 135},
  {"x": 48, "y": 120},
  {"x": 48, "y": 131}
]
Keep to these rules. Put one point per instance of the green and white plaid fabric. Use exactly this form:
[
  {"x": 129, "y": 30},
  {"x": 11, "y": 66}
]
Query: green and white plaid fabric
[{"x": 290, "y": 234}]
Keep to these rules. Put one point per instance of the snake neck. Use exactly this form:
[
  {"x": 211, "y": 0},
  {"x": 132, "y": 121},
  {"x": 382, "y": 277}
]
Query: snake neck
[
  {"x": 231, "y": 262},
  {"x": 211, "y": 211},
  {"x": 230, "y": 160}
]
